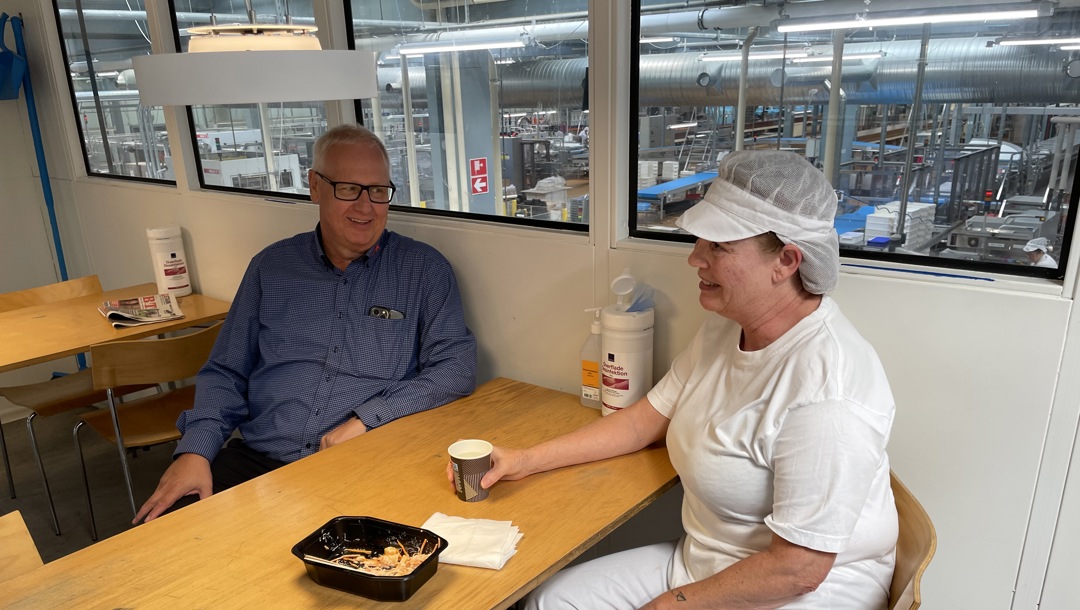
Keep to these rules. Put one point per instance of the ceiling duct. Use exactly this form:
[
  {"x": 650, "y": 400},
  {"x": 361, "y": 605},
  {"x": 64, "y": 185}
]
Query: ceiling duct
[{"x": 959, "y": 70}]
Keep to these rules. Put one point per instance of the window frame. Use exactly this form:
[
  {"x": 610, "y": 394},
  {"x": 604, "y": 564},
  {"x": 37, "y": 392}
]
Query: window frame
[{"x": 83, "y": 136}]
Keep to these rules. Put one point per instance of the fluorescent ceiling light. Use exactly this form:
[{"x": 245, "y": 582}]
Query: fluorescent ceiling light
[
  {"x": 1037, "y": 41},
  {"x": 1001, "y": 12},
  {"x": 1074, "y": 47},
  {"x": 653, "y": 39},
  {"x": 450, "y": 46},
  {"x": 253, "y": 37},
  {"x": 825, "y": 58},
  {"x": 738, "y": 56},
  {"x": 515, "y": 114},
  {"x": 683, "y": 125},
  {"x": 503, "y": 62}
]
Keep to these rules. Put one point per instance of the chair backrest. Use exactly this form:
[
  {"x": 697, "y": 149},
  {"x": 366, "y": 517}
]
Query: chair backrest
[
  {"x": 50, "y": 293},
  {"x": 125, "y": 363},
  {"x": 18, "y": 553},
  {"x": 915, "y": 548}
]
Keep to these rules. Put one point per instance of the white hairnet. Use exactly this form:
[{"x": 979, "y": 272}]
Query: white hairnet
[
  {"x": 762, "y": 191},
  {"x": 1039, "y": 243}
]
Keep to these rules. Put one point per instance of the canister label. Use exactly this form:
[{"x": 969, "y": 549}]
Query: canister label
[
  {"x": 173, "y": 269},
  {"x": 625, "y": 378}
]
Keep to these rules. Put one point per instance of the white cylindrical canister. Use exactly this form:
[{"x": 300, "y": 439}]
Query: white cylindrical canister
[
  {"x": 170, "y": 262},
  {"x": 627, "y": 351}
]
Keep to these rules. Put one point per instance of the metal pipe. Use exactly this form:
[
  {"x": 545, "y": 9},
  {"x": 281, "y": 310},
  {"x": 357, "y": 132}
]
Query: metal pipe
[
  {"x": 964, "y": 70},
  {"x": 884, "y": 112},
  {"x": 740, "y": 114},
  {"x": 1070, "y": 141},
  {"x": 496, "y": 142},
  {"x": 913, "y": 126},
  {"x": 410, "y": 137},
  {"x": 268, "y": 147},
  {"x": 832, "y": 123}
]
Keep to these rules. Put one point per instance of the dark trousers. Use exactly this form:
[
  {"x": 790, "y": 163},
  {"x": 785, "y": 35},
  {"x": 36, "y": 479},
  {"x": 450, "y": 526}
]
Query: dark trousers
[{"x": 234, "y": 464}]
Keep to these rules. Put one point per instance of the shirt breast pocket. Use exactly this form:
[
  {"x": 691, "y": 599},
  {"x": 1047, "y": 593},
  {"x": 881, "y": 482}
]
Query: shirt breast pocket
[{"x": 381, "y": 348}]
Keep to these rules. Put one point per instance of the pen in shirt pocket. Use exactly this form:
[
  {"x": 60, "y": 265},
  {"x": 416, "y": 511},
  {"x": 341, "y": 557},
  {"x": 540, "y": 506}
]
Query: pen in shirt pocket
[{"x": 377, "y": 311}]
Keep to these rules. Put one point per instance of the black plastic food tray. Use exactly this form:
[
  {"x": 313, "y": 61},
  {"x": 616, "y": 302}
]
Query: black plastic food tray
[{"x": 330, "y": 540}]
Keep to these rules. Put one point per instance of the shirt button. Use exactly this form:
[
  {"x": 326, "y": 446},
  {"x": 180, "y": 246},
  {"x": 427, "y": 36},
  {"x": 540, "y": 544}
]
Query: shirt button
[
  {"x": 335, "y": 349},
  {"x": 316, "y": 411},
  {"x": 328, "y": 378},
  {"x": 308, "y": 446},
  {"x": 345, "y": 280}
]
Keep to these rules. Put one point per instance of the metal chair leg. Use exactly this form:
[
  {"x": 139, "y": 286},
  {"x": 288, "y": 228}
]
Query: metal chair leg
[
  {"x": 7, "y": 463},
  {"x": 85, "y": 480},
  {"x": 123, "y": 452},
  {"x": 41, "y": 469}
]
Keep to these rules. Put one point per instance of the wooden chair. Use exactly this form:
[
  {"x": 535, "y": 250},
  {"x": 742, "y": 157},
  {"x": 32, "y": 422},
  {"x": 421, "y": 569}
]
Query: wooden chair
[
  {"x": 915, "y": 548},
  {"x": 18, "y": 553},
  {"x": 149, "y": 421},
  {"x": 57, "y": 395},
  {"x": 50, "y": 293}
]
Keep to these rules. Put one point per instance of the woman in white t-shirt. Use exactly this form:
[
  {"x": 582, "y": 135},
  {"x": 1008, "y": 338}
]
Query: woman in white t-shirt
[{"x": 776, "y": 418}]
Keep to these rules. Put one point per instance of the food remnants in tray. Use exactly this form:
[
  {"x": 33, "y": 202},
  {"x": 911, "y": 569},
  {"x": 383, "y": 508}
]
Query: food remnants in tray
[{"x": 393, "y": 561}]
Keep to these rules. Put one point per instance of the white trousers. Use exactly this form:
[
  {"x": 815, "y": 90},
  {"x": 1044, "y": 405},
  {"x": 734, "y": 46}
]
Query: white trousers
[{"x": 622, "y": 581}]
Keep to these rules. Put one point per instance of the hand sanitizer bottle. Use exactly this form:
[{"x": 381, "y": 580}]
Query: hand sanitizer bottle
[{"x": 590, "y": 365}]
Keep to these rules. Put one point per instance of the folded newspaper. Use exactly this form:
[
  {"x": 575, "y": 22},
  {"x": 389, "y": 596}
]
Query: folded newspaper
[{"x": 141, "y": 310}]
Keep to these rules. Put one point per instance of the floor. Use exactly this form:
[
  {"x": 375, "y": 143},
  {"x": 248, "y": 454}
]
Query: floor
[{"x": 111, "y": 507}]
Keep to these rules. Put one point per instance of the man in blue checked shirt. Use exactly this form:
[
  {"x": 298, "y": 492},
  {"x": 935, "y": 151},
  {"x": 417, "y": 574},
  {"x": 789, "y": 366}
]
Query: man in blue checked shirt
[{"x": 331, "y": 333}]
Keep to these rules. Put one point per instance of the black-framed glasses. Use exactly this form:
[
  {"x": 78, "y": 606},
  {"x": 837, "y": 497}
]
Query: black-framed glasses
[{"x": 349, "y": 191}]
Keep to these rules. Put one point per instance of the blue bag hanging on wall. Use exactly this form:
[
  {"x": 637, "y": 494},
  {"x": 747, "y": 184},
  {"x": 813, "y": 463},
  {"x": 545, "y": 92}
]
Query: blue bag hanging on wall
[{"x": 12, "y": 66}]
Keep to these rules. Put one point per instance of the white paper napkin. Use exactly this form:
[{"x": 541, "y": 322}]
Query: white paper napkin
[{"x": 480, "y": 543}]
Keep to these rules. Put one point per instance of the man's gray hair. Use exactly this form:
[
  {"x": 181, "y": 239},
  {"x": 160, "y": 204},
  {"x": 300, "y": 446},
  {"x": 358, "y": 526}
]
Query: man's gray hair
[{"x": 346, "y": 134}]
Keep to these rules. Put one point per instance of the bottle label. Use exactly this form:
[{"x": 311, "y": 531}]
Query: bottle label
[
  {"x": 590, "y": 374},
  {"x": 625, "y": 378}
]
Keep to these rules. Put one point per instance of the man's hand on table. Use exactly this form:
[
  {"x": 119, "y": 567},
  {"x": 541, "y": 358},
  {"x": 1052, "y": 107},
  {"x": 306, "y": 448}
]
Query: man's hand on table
[
  {"x": 352, "y": 428},
  {"x": 189, "y": 474}
]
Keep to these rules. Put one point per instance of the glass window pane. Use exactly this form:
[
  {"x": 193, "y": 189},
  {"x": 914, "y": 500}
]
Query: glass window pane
[
  {"x": 119, "y": 136},
  {"x": 957, "y": 158},
  {"x": 232, "y": 141},
  {"x": 495, "y": 122}
]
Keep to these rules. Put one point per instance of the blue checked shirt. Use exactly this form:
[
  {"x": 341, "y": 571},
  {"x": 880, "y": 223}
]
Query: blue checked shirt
[{"x": 300, "y": 351}]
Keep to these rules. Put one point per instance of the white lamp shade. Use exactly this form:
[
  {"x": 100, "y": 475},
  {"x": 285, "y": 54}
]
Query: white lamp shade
[{"x": 248, "y": 77}]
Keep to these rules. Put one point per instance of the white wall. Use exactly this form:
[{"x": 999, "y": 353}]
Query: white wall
[{"x": 984, "y": 429}]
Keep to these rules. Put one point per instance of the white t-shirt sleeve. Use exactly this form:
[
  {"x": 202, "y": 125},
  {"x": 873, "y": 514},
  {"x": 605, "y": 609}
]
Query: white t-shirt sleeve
[
  {"x": 665, "y": 395},
  {"x": 825, "y": 457}
]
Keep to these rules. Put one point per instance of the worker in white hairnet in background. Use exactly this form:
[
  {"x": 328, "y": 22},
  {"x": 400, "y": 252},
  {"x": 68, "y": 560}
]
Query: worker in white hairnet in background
[
  {"x": 1036, "y": 252},
  {"x": 776, "y": 418}
]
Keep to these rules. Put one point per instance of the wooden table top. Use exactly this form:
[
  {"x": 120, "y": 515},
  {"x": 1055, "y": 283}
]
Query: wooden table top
[
  {"x": 46, "y": 332},
  {"x": 234, "y": 549}
]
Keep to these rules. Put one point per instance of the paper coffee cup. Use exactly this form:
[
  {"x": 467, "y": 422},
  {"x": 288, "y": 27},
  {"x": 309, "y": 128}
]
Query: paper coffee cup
[{"x": 470, "y": 459}]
